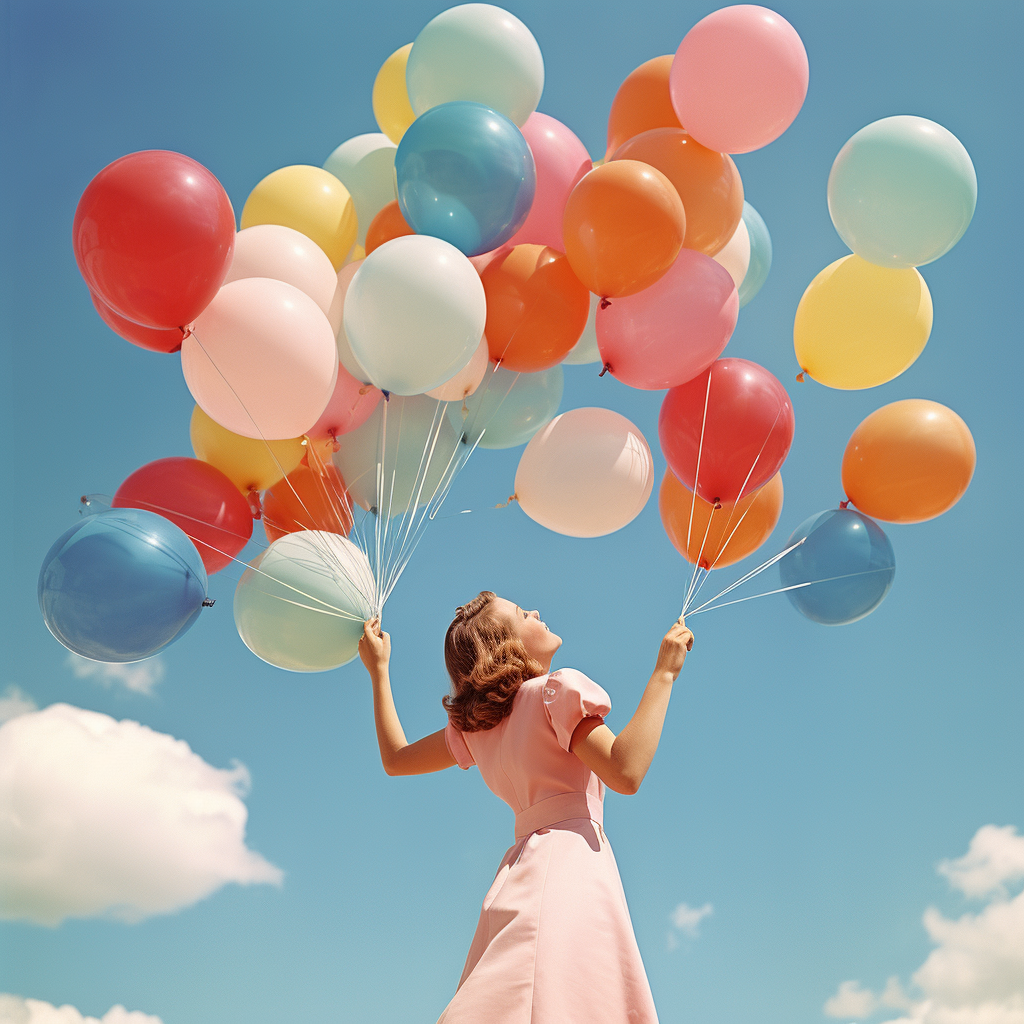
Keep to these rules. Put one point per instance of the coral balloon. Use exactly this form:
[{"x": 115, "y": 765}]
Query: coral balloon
[
  {"x": 350, "y": 405},
  {"x": 908, "y": 461},
  {"x": 717, "y": 536},
  {"x": 391, "y": 107},
  {"x": 155, "y": 339},
  {"x": 308, "y": 499},
  {"x": 365, "y": 165},
  {"x": 389, "y": 223},
  {"x": 643, "y": 102},
  {"x": 623, "y": 227}
]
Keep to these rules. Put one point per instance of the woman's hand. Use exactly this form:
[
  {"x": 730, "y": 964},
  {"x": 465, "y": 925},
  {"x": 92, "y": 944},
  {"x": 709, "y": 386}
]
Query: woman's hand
[
  {"x": 374, "y": 648},
  {"x": 678, "y": 640}
]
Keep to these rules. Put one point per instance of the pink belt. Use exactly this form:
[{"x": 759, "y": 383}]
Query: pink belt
[{"x": 554, "y": 809}]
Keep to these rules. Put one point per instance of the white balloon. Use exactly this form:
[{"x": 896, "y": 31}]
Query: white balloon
[
  {"x": 735, "y": 256},
  {"x": 365, "y": 165},
  {"x": 466, "y": 381}
]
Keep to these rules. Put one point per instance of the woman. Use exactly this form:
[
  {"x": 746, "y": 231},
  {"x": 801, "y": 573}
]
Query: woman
[{"x": 554, "y": 944}]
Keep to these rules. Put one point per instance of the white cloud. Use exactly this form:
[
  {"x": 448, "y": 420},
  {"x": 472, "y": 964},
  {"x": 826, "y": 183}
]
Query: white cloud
[
  {"x": 686, "y": 919},
  {"x": 852, "y": 1001},
  {"x": 13, "y": 703},
  {"x": 107, "y": 818},
  {"x": 137, "y": 676},
  {"x": 995, "y": 857},
  {"x": 15, "y": 1010}
]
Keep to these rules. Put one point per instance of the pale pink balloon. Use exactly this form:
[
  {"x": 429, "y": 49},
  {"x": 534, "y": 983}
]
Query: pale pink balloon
[
  {"x": 587, "y": 473},
  {"x": 350, "y": 406},
  {"x": 672, "y": 331},
  {"x": 261, "y": 359},
  {"x": 466, "y": 381},
  {"x": 739, "y": 78},
  {"x": 735, "y": 257},
  {"x": 272, "y": 250},
  {"x": 561, "y": 160},
  {"x": 336, "y": 316}
]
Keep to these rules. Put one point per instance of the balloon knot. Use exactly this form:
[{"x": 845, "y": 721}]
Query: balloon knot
[
  {"x": 800, "y": 376},
  {"x": 335, "y": 443},
  {"x": 253, "y": 497},
  {"x": 365, "y": 389},
  {"x": 209, "y": 602},
  {"x": 605, "y": 369},
  {"x": 386, "y": 394},
  {"x": 605, "y": 303},
  {"x": 845, "y": 504},
  {"x": 185, "y": 331},
  {"x": 511, "y": 498},
  {"x": 718, "y": 503}
]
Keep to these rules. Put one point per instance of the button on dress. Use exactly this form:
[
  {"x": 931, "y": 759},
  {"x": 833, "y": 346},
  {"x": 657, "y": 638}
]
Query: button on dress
[{"x": 554, "y": 944}]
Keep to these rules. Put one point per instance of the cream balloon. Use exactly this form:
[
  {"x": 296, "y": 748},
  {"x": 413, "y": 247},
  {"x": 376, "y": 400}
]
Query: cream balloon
[
  {"x": 365, "y": 165},
  {"x": 336, "y": 316},
  {"x": 735, "y": 256},
  {"x": 466, "y": 381}
]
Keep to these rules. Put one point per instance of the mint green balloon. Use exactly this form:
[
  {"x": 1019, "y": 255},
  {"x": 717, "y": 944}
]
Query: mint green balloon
[
  {"x": 902, "y": 191},
  {"x": 365, "y": 165},
  {"x": 760, "y": 254},
  {"x": 585, "y": 350}
]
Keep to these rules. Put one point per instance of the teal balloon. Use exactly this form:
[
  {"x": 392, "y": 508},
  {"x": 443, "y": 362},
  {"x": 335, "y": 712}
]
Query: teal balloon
[
  {"x": 844, "y": 567},
  {"x": 760, "y": 254},
  {"x": 902, "y": 191},
  {"x": 509, "y": 407}
]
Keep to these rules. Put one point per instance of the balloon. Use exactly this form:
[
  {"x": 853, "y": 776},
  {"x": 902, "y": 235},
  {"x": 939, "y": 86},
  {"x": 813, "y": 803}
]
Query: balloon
[
  {"x": 391, "y": 106},
  {"x": 271, "y": 250},
  {"x": 859, "y": 325},
  {"x": 250, "y": 464},
  {"x": 389, "y": 223},
  {"x": 902, "y": 191},
  {"x": 310, "y": 200},
  {"x": 722, "y": 535},
  {"x": 199, "y": 499},
  {"x": 156, "y": 339},
  {"x": 843, "y": 569},
  {"x": 350, "y": 405},
  {"x": 480, "y": 53},
  {"x": 760, "y": 254},
  {"x": 365, "y": 165},
  {"x": 585, "y": 350},
  {"x": 536, "y": 308},
  {"x": 736, "y": 418},
  {"x": 739, "y": 78},
  {"x": 308, "y": 498},
  {"x": 302, "y": 603},
  {"x": 673, "y": 330},
  {"x": 561, "y": 160},
  {"x": 414, "y": 314},
  {"x": 908, "y": 461},
  {"x": 708, "y": 183},
  {"x": 464, "y": 173},
  {"x": 509, "y": 408},
  {"x": 735, "y": 257},
  {"x": 623, "y": 227},
  {"x": 165, "y": 275},
  {"x": 337, "y": 320},
  {"x": 643, "y": 102},
  {"x": 587, "y": 473},
  {"x": 121, "y": 585},
  {"x": 466, "y": 381}
]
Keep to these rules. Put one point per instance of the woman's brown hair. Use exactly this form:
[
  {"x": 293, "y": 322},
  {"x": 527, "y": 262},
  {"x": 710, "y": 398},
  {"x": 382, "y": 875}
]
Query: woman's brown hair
[{"x": 487, "y": 663}]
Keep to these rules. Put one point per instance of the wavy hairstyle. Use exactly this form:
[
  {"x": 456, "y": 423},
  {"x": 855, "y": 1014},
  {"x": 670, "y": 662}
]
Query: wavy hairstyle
[{"x": 487, "y": 663}]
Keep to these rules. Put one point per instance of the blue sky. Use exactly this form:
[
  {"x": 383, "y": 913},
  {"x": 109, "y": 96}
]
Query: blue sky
[{"x": 810, "y": 779}]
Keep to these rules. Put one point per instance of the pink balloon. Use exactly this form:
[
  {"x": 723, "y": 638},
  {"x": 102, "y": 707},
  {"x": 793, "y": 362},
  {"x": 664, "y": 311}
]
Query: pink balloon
[
  {"x": 349, "y": 407},
  {"x": 261, "y": 359},
  {"x": 739, "y": 78},
  {"x": 561, "y": 160},
  {"x": 673, "y": 330}
]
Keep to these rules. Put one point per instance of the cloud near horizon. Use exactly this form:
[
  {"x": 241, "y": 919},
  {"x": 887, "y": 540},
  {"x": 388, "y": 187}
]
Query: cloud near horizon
[{"x": 16, "y": 1010}]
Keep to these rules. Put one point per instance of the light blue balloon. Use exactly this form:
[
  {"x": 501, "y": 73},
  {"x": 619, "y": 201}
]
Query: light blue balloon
[
  {"x": 585, "y": 350},
  {"x": 509, "y": 407},
  {"x": 760, "y": 254},
  {"x": 465, "y": 173},
  {"x": 847, "y": 562},
  {"x": 121, "y": 585},
  {"x": 902, "y": 191}
]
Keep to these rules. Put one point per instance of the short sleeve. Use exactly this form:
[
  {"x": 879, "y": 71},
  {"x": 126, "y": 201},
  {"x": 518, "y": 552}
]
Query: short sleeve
[
  {"x": 457, "y": 747},
  {"x": 569, "y": 697}
]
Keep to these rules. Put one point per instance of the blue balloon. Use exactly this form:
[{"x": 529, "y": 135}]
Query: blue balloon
[
  {"x": 760, "y": 254},
  {"x": 465, "y": 173},
  {"x": 121, "y": 585},
  {"x": 847, "y": 561}
]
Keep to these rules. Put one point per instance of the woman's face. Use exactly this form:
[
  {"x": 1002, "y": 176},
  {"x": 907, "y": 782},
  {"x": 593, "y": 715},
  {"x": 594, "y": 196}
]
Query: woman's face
[{"x": 539, "y": 641}]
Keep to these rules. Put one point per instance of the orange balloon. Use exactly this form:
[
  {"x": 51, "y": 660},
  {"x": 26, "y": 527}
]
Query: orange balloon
[
  {"x": 308, "y": 499},
  {"x": 536, "y": 308},
  {"x": 623, "y": 227},
  {"x": 642, "y": 102},
  {"x": 736, "y": 528},
  {"x": 707, "y": 182},
  {"x": 908, "y": 461},
  {"x": 389, "y": 223}
]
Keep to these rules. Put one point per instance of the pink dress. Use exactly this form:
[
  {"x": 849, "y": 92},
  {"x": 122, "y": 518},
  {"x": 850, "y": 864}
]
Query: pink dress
[{"x": 554, "y": 944}]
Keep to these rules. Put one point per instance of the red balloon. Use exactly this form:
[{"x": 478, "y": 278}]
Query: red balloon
[
  {"x": 196, "y": 497},
  {"x": 153, "y": 338},
  {"x": 153, "y": 237},
  {"x": 747, "y": 429}
]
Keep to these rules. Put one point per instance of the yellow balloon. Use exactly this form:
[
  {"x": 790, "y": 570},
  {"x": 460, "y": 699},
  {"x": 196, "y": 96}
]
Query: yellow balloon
[
  {"x": 309, "y": 200},
  {"x": 859, "y": 325},
  {"x": 391, "y": 106}
]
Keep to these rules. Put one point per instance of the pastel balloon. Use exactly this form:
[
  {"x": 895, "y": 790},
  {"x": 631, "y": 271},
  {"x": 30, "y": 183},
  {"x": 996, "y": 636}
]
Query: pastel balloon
[
  {"x": 389, "y": 223},
  {"x": 841, "y": 571},
  {"x": 308, "y": 498},
  {"x": 623, "y": 227},
  {"x": 349, "y": 406},
  {"x": 310, "y": 200},
  {"x": 909, "y": 461},
  {"x": 735, "y": 420},
  {"x": 480, "y": 53},
  {"x": 509, "y": 407},
  {"x": 585, "y": 350},
  {"x": 365, "y": 165},
  {"x": 155, "y": 339},
  {"x": 643, "y": 102},
  {"x": 587, "y": 473},
  {"x": 391, "y": 107},
  {"x": 336, "y": 317},
  {"x": 262, "y": 359},
  {"x": 121, "y": 585},
  {"x": 859, "y": 325},
  {"x": 673, "y": 330},
  {"x": 760, "y": 254},
  {"x": 715, "y": 536},
  {"x": 466, "y": 381},
  {"x": 414, "y": 314},
  {"x": 739, "y": 78},
  {"x": 735, "y": 257},
  {"x": 301, "y": 604}
]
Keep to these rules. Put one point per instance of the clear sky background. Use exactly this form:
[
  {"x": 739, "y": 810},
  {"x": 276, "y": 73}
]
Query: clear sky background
[{"x": 810, "y": 779}]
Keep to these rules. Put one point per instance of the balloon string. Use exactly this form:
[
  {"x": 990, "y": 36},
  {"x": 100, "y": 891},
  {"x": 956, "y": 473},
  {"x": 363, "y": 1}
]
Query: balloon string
[
  {"x": 700, "y": 554},
  {"x": 700, "y": 449},
  {"x": 755, "y": 572}
]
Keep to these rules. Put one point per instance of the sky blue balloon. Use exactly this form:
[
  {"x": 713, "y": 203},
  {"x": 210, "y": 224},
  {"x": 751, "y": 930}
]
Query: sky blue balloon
[
  {"x": 760, "y": 254},
  {"x": 465, "y": 173},
  {"x": 840, "y": 542},
  {"x": 121, "y": 585}
]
